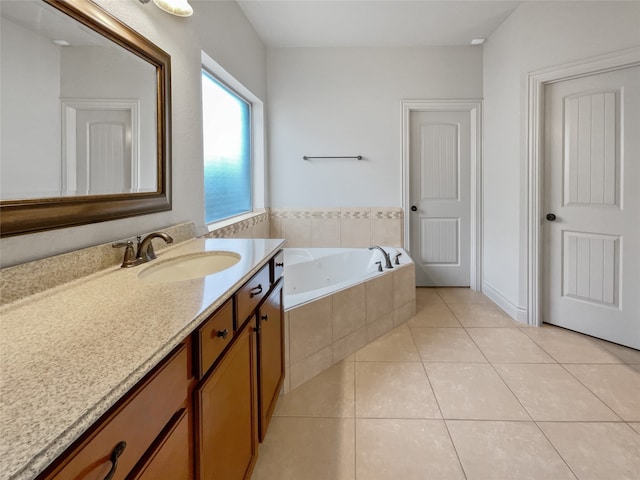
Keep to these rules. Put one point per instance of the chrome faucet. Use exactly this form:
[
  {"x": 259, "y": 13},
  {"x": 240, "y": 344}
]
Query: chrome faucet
[
  {"x": 387, "y": 259},
  {"x": 145, "y": 251}
]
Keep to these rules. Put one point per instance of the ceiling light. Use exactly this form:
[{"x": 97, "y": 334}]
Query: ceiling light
[
  {"x": 62, "y": 43},
  {"x": 180, "y": 8},
  {"x": 475, "y": 41}
]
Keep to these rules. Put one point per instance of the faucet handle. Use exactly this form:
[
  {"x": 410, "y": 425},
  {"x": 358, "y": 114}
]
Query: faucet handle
[
  {"x": 150, "y": 254},
  {"x": 130, "y": 259},
  {"x": 397, "y": 262}
]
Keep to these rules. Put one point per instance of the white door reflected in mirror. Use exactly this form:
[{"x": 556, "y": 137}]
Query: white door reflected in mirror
[{"x": 100, "y": 152}]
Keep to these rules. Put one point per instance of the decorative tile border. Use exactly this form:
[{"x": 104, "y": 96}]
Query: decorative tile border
[
  {"x": 238, "y": 227},
  {"x": 326, "y": 214},
  {"x": 379, "y": 213}
]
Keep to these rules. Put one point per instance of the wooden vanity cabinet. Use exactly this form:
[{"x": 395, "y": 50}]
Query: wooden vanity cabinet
[
  {"x": 226, "y": 413},
  {"x": 151, "y": 419},
  {"x": 201, "y": 411},
  {"x": 270, "y": 329},
  {"x": 238, "y": 389}
]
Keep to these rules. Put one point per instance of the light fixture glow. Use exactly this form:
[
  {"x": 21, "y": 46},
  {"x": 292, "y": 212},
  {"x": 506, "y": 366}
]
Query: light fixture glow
[
  {"x": 62, "y": 43},
  {"x": 181, "y": 8},
  {"x": 475, "y": 41}
]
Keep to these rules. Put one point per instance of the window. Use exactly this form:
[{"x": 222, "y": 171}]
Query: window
[{"x": 227, "y": 136}]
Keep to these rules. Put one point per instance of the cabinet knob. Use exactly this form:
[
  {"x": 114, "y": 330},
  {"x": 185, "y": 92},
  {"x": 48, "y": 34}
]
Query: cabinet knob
[
  {"x": 265, "y": 317},
  {"x": 255, "y": 291},
  {"x": 115, "y": 454},
  {"x": 279, "y": 264},
  {"x": 223, "y": 333}
]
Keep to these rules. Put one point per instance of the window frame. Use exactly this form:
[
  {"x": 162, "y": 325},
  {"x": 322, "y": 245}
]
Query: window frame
[{"x": 257, "y": 143}]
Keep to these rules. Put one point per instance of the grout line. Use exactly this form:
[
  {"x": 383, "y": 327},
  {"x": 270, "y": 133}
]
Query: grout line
[
  {"x": 435, "y": 397},
  {"x": 524, "y": 408},
  {"x": 629, "y": 425},
  {"x": 455, "y": 449},
  {"x": 556, "y": 450},
  {"x": 589, "y": 389}
]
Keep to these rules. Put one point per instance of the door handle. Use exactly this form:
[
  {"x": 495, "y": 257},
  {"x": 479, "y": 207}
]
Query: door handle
[
  {"x": 551, "y": 217},
  {"x": 414, "y": 208}
]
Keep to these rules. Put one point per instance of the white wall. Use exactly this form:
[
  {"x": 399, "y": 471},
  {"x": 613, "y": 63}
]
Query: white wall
[
  {"x": 537, "y": 35},
  {"x": 227, "y": 37},
  {"x": 346, "y": 101},
  {"x": 29, "y": 166}
]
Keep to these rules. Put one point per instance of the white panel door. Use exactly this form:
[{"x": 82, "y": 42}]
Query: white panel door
[
  {"x": 104, "y": 154},
  {"x": 592, "y": 187},
  {"x": 440, "y": 163}
]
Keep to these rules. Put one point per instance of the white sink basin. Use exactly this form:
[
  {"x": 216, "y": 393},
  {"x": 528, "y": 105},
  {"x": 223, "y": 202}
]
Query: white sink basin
[{"x": 187, "y": 267}]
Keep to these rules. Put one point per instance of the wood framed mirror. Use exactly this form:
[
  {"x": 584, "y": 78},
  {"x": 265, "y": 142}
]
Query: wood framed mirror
[{"x": 64, "y": 183}]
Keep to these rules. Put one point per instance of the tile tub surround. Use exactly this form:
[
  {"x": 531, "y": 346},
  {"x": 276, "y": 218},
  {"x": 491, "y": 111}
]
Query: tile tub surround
[
  {"x": 338, "y": 227},
  {"x": 323, "y": 332},
  {"x": 30, "y": 278},
  {"x": 69, "y": 353}
]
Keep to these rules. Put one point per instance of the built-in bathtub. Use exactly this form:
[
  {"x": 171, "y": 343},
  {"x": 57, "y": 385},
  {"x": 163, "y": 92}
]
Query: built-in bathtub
[{"x": 336, "y": 301}]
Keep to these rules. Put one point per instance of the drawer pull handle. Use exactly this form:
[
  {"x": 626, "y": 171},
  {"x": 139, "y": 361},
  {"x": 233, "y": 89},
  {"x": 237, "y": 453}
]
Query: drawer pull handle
[
  {"x": 115, "y": 454},
  {"x": 255, "y": 291},
  {"x": 265, "y": 317},
  {"x": 279, "y": 264},
  {"x": 223, "y": 333}
]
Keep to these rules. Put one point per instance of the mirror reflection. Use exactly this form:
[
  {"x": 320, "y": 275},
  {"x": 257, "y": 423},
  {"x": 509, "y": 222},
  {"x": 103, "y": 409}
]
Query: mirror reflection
[{"x": 78, "y": 111}]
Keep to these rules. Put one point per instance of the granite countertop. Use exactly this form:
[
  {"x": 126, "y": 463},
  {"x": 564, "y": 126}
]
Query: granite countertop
[{"x": 69, "y": 353}]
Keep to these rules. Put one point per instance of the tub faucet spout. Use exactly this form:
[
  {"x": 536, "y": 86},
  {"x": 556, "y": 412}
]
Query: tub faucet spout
[{"x": 387, "y": 258}]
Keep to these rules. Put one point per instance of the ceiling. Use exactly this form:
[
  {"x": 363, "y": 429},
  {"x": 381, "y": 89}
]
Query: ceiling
[
  {"x": 374, "y": 23},
  {"x": 50, "y": 23}
]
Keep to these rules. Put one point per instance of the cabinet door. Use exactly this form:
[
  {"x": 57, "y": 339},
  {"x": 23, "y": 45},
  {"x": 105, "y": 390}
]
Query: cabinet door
[
  {"x": 170, "y": 456},
  {"x": 226, "y": 414},
  {"x": 270, "y": 355}
]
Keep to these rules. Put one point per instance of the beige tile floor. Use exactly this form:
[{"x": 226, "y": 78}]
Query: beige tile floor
[{"x": 462, "y": 391}]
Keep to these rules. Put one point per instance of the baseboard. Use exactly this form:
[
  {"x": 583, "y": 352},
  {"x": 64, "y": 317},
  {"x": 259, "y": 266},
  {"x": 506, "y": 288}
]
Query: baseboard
[{"x": 517, "y": 313}]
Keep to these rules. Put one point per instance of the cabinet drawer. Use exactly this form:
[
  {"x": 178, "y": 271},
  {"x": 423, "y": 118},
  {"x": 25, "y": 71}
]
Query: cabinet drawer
[
  {"x": 250, "y": 295},
  {"x": 213, "y": 337},
  {"x": 137, "y": 421},
  {"x": 278, "y": 267}
]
